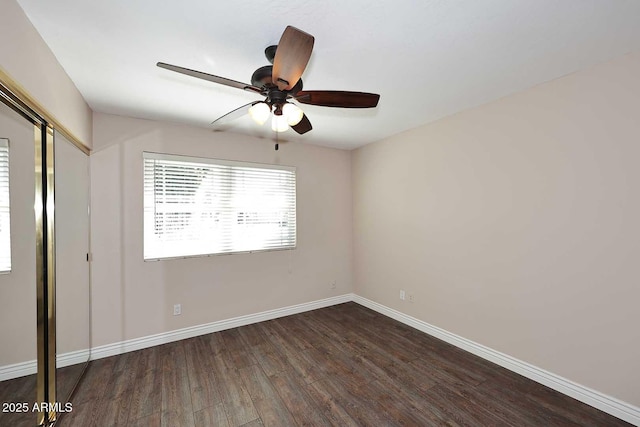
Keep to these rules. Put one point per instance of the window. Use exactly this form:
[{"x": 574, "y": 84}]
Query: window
[
  {"x": 5, "y": 224},
  {"x": 196, "y": 206}
]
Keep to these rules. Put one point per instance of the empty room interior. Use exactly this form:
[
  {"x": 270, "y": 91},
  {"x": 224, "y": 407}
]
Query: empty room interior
[{"x": 320, "y": 213}]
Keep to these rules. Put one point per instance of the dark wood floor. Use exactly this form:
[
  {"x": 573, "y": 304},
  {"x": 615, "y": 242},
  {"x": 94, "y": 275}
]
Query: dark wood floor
[
  {"x": 18, "y": 390},
  {"x": 23, "y": 389},
  {"x": 343, "y": 365}
]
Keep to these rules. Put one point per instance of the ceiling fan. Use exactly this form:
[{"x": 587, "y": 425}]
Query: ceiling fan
[{"x": 280, "y": 83}]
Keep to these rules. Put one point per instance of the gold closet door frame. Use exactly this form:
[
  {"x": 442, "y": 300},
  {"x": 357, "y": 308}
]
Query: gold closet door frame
[
  {"x": 11, "y": 86},
  {"x": 45, "y": 272},
  {"x": 44, "y": 212}
]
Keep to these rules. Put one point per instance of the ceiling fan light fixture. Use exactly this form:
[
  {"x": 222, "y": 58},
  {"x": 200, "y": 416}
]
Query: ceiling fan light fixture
[
  {"x": 279, "y": 123},
  {"x": 292, "y": 113},
  {"x": 282, "y": 81},
  {"x": 260, "y": 112}
]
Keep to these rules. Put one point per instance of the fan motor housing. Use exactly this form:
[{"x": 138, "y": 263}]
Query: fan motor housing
[
  {"x": 262, "y": 77},
  {"x": 277, "y": 97}
]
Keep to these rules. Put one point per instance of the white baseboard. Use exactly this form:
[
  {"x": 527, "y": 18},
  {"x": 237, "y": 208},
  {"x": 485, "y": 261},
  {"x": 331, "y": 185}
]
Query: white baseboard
[
  {"x": 9, "y": 372},
  {"x": 73, "y": 358},
  {"x": 28, "y": 368},
  {"x": 603, "y": 402},
  {"x": 180, "y": 334},
  {"x": 22, "y": 369}
]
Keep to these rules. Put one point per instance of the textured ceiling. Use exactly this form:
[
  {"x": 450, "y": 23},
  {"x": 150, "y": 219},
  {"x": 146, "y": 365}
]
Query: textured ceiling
[{"x": 426, "y": 59}]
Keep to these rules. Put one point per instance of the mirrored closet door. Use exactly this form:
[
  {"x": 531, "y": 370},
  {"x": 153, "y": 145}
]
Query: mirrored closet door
[
  {"x": 18, "y": 296},
  {"x": 71, "y": 167},
  {"x": 44, "y": 263}
]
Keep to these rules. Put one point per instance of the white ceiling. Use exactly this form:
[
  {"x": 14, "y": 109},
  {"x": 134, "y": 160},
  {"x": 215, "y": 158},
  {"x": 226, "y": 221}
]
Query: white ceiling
[{"x": 427, "y": 59}]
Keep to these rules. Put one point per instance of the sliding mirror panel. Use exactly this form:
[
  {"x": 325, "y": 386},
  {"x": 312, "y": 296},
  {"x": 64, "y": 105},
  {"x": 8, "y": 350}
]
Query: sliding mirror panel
[
  {"x": 18, "y": 298},
  {"x": 72, "y": 266}
]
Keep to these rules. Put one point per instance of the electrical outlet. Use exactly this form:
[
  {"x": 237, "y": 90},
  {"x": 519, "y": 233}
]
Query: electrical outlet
[
  {"x": 411, "y": 299},
  {"x": 402, "y": 294},
  {"x": 177, "y": 309},
  {"x": 333, "y": 284}
]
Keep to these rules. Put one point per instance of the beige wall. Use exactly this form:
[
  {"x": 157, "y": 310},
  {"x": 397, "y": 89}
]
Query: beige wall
[
  {"x": 30, "y": 62},
  {"x": 515, "y": 225},
  {"x": 18, "y": 287},
  {"x": 132, "y": 298}
]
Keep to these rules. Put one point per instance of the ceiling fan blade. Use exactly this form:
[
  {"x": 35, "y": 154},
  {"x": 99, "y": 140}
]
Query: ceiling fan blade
[
  {"x": 338, "y": 98},
  {"x": 234, "y": 114},
  {"x": 209, "y": 77},
  {"x": 292, "y": 56},
  {"x": 304, "y": 126}
]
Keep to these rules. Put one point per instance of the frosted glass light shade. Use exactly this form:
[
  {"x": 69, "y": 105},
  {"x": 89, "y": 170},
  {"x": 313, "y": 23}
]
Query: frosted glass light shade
[
  {"x": 279, "y": 123},
  {"x": 260, "y": 112},
  {"x": 292, "y": 113}
]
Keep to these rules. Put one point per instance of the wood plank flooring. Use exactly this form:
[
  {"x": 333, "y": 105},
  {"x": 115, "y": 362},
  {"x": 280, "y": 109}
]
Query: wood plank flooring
[
  {"x": 18, "y": 390},
  {"x": 23, "y": 389},
  {"x": 343, "y": 366}
]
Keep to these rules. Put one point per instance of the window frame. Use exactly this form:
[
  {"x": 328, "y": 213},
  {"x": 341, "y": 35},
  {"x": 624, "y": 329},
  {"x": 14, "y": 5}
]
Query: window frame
[
  {"x": 149, "y": 155},
  {"x": 4, "y": 145}
]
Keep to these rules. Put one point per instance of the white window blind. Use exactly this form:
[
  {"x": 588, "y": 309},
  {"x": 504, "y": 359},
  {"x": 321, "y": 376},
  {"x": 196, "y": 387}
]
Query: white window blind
[
  {"x": 196, "y": 206},
  {"x": 5, "y": 223}
]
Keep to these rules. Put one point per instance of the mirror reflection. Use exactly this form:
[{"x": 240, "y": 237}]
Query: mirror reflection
[
  {"x": 72, "y": 266},
  {"x": 18, "y": 302}
]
